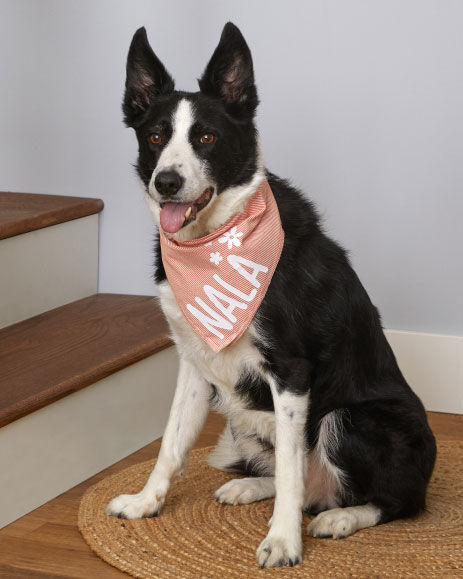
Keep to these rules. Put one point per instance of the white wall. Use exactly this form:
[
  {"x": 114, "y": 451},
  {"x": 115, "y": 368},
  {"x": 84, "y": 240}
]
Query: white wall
[{"x": 361, "y": 106}]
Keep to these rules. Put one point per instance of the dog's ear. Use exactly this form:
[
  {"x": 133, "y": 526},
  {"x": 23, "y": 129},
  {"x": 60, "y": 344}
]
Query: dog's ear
[
  {"x": 146, "y": 79},
  {"x": 229, "y": 74}
]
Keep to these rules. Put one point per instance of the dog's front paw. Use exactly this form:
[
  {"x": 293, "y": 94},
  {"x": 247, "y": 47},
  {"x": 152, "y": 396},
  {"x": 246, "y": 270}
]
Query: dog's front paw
[
  {"x": 135, "y": 506},
  {"x": 279, "y": 551}
]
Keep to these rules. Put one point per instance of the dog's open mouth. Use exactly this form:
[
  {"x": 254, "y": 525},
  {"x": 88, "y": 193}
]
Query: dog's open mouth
[{"x": 174, "y": 216}]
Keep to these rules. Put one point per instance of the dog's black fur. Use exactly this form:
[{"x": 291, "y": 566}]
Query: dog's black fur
[{"x": 321, "y": 330}]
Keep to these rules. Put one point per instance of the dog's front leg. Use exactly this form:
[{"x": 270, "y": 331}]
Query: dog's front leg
[
  {"x": 187, "y": 415},
  {"x": 283, "y": 544}
]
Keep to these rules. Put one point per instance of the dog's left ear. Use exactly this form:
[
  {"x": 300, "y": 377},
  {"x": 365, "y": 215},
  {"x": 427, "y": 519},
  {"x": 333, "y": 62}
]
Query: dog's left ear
[{"x": 230, "y": 75}]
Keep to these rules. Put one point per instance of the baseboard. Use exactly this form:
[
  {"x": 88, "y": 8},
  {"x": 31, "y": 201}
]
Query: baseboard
[
  {"x": 433, "y": 366},
  {"x": 51, "y": 450}
]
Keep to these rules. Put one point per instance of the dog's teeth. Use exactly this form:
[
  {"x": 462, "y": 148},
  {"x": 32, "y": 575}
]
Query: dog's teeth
[{"x": 188, "y": 213}]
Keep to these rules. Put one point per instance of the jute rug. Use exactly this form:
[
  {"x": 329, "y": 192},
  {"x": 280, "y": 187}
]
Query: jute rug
[{"x": 196, "y": 537}]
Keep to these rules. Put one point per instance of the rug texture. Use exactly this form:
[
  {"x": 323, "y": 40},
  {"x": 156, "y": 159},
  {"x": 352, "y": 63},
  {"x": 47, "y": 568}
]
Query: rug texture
[{"x": 196, "y": 537}]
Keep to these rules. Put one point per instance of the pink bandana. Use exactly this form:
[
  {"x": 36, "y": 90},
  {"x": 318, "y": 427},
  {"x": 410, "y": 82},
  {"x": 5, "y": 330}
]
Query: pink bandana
[{"x": 220, "y": 280}]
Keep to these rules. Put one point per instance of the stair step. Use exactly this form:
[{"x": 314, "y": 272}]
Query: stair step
[
  {"x": 24, "y": 212},
  {"x": 49, "y": 356}
]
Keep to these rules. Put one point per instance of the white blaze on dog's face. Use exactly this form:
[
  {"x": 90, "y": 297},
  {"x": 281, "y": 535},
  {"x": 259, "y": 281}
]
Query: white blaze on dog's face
[
  {"x": 181, "y": 174},
  {"x": 180, "y": 157},
  {"x": 198, "y": 158}
]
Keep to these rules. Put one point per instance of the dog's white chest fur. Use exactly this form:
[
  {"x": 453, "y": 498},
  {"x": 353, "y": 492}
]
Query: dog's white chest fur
[{"x": 222, "y": 369}]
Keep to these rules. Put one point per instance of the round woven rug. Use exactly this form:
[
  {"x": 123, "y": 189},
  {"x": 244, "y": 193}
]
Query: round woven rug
[{"x": 196, "y": 537}]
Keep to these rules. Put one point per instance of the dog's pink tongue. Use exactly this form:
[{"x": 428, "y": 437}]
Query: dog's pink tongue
[{"x": 172, "y": 216}]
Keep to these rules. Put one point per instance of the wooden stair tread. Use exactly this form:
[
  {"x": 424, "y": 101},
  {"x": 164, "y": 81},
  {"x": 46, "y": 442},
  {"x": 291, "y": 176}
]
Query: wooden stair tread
[
  {"x": 23, "y": 212},
  {"x": 61, "y": 351}
]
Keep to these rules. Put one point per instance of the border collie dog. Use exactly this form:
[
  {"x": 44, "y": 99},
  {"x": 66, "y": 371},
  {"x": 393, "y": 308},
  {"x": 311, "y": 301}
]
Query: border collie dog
[{"x": 319, "y": 415}]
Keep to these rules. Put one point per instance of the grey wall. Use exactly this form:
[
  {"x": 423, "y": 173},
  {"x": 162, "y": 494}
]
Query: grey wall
[{"x": 361, "y": 107}]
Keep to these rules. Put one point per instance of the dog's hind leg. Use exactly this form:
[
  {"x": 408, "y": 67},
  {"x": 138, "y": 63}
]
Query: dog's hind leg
[
  {"x": 342, "y": 522},
  {"x": 226, "y": 452},
  {"x": 242, "y": 451}
]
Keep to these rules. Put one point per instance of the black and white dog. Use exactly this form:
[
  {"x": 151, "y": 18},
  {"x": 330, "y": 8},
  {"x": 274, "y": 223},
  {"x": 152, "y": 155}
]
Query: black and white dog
[{"x": 318, "y": 413}]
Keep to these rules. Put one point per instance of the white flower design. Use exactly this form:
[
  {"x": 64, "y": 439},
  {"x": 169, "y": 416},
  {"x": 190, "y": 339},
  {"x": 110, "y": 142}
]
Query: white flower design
[
  {"x": 216, "y": 258},
  {"x": 231, "y": 237},
  {"x": 208, "y": 244}
]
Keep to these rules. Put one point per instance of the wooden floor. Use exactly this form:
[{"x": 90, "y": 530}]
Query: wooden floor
[{"x": 47, "y": 543}]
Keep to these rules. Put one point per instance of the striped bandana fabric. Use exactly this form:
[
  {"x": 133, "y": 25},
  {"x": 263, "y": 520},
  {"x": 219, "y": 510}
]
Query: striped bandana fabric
[{"x": 220, "y": 280}]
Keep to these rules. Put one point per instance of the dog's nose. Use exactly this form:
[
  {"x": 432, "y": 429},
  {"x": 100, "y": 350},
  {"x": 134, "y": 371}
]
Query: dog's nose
[{"x": 168, "y": 182}]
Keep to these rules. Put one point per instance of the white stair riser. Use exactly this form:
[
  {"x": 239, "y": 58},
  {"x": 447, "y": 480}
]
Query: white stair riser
[
  {"x": 47, "y": 268},
  {"x": 51, "y": 450}
]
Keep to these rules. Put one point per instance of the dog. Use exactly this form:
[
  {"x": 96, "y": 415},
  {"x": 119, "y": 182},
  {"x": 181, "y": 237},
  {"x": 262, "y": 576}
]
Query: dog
[{"x": 319, "y": 415}]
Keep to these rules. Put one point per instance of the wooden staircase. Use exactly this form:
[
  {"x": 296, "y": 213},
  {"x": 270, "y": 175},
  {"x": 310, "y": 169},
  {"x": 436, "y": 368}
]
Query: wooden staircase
[{"x": 85, "y": 378}]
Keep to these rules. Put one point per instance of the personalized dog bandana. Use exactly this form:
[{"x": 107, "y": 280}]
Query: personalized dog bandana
[{"x": 220, "y": 280}]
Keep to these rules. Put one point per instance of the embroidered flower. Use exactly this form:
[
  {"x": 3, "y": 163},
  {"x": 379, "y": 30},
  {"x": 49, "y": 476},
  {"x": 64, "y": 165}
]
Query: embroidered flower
[
  {"x": 231, "y": 237},
  {"x": 216, "y": 258},
  {"x": 208, "y": 244}
]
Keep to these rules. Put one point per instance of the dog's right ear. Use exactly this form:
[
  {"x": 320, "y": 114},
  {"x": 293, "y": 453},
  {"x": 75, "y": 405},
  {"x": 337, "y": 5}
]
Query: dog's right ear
[{"x": 146, "y": 79}]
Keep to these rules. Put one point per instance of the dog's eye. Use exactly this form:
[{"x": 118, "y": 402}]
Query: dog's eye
[
  {"x": 156, "y": 139},
  {"x": 207, "y": 139}
]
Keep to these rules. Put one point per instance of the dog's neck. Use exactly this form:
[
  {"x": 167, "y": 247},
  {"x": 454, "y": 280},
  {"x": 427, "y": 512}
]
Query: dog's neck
[{"x": 221, "y": 208}]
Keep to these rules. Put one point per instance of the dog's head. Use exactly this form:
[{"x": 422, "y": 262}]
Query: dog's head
[{"x": 198, "y": 152}]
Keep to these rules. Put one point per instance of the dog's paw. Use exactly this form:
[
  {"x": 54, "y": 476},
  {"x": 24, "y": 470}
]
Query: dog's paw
[
  {"x": 135, "y": 506},
  {"x": 279, "y": 551},
  {"x": 242, "y": 491},
  {"x": 335, "y": 523}
]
